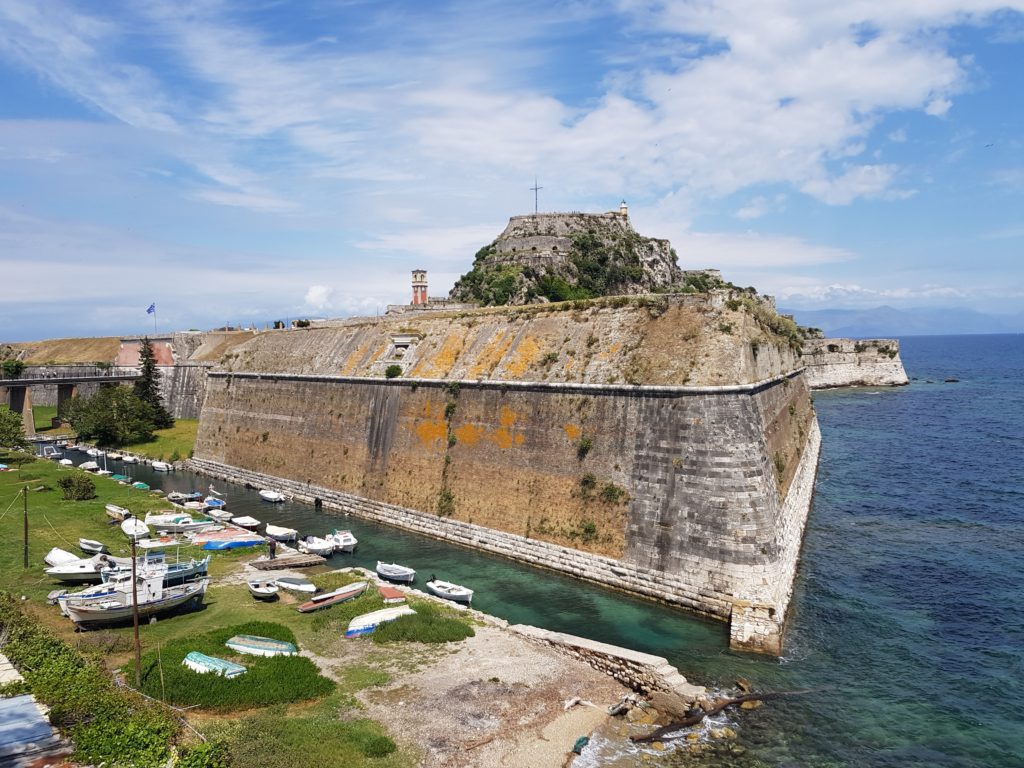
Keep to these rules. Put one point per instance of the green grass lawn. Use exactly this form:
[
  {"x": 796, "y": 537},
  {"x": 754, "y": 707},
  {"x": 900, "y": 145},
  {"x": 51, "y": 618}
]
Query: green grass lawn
[
  {"x": 170, "y": 444},
  {"x": 43, "y": 416}
]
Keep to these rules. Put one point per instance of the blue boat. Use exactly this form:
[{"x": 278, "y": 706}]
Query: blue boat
[
  {"x": 233, "y": 543},
  {"x": 213, "y": 503}
]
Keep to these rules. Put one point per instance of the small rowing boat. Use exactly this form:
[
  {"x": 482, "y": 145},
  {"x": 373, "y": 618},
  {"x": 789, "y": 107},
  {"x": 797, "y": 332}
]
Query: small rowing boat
[
  {"x": 340, "y": 595},
  {"x": 395, "y": 572},
  {"x": 365, "y": 624},
  {"x": 205, "y": 665},
  {"x": 274, "y": 497},
  {"x": 262, "y": 590},
  {"x": 449, "y": 591},
  {"x": 296, "y": 584},
  {"x": 255, "y": 645},
  {"x": 92, "y": 546}
]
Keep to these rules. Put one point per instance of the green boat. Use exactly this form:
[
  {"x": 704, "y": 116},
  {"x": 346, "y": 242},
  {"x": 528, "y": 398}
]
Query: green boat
[
  {"x": 255, "y": 645},
  {"x": 140, "y": 486},
  {"x": 203, "y": 664}
]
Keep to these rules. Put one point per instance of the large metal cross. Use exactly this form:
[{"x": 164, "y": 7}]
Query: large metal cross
[{"x": 535, "y": 189}]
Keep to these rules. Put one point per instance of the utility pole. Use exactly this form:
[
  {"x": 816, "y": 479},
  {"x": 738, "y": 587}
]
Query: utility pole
[
  {"x": 24, "y": 496},
  {"x": 135, "y": 622}
]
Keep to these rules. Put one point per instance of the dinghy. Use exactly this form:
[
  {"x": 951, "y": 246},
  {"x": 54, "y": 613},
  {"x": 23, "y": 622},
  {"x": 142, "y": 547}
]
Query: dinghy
[
  {"x": 92, "y": 546},
  {"x": 220, "y": 515},
  {"x": 262, "y": 590},
  {"x": 117, "y": 513},
  {"x": 343, "y": 541},
  {"x": 89, "y": 466},
  {"x": 246, "y": 522},
  {"x": 255, "y": 645},
  {"x": 272, "y": 496},
  {"x": 58, "y": 556},
  {"x": 207, "y": 665},
  {"x": 365, "y": 624},
  {"x": 450, "y": 591},
  {"x": 327, "y": 599},
  {"x": 281, "y": 533},
  {"x": 296, "y": 584},
  {"x": 161, "y": 466},
  {"x": 395, "y": 572},
  {"x": 134, "y": 528},
  {"x": 126, "y": 459},
  {"x": 211, "y": 503},
  {"x": 140, "y": 486}
]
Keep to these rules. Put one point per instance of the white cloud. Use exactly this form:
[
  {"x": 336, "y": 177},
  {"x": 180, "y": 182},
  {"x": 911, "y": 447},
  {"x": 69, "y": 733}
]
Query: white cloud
[
  {"x": 752, "y": 251},
  {"x": 318, "y": 297}
]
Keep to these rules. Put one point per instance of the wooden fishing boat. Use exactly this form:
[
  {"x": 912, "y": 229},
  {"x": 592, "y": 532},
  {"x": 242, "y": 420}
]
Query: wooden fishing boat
[
  {"x": 327, "y": 599},
  {"x": 255, "y": 645},
  {"x": 262, "y": 590},
  {"x": 450, "y": 591},
  {"x": 395, "y": 572},
  {"x": 207, "y": 665},
  {"x": 174, "y": 573},
  {"x": 365, "y": 624},
  {"x": 296, "y": 584},
  {"x": 153, "y": 598}
]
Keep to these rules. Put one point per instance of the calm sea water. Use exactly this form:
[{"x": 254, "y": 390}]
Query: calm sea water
[{"x": 906, "y": 620}]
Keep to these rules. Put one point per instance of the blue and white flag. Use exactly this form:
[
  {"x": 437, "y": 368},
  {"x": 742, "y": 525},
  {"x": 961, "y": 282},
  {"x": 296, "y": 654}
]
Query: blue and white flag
[{"x": 151, "y": 310}]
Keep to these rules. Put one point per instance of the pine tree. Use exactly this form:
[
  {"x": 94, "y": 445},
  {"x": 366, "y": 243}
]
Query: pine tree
[{"x": 147, "y": 388}]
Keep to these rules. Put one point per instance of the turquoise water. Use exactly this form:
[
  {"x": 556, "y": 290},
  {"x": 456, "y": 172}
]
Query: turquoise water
[{"x": 905, "y": 621}]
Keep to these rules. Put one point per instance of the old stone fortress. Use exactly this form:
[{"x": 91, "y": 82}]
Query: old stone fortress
[{"x": 604, "y": 414}]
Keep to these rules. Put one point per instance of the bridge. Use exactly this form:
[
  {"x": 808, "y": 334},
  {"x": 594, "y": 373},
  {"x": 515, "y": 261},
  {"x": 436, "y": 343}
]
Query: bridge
[{"x": 17, "y": 392}]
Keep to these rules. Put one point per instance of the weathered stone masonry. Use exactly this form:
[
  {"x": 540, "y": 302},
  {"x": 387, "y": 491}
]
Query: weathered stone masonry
[{"x": 717, "y": 479}]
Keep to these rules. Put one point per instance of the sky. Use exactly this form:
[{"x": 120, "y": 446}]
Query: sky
[{"x": 240, "y": 161}]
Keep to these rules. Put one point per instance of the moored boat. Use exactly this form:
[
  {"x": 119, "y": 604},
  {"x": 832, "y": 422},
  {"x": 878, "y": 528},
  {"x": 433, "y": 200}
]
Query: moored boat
[
  {"x": 126, "y": 459},
  {"x": 211, "y": 502},
  {"x": 255, "y": 645},
  {"x": 449, "y": 591},
  {"x": 205, "y": 665},
  {"x": 368, "y": 622},
  {"x": 114, "y": 456},
  {"x": 272, "y": 496},
  {"x": 220, "y": 515},
  {"x": 281, "y": 533},
  {"x": 89, "y": 466},
  {"x": 161, "y": 466},
  {"x": 246, "y": 522},
  {"x": 395, "y": 572},
  {"x": 314, "y": 545},
  {"x": 262, "y": 589},
  {"x": 343, "y": 541},
  {"x": 340, "y": 595}
]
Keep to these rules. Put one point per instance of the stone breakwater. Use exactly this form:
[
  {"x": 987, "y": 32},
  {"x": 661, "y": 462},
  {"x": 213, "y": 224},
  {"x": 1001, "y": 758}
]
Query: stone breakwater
[{"x": 853, "y": 363}]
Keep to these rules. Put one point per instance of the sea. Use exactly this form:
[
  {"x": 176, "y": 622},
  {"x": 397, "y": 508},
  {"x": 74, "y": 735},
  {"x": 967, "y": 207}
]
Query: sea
[{"x": 906, "y": 635}]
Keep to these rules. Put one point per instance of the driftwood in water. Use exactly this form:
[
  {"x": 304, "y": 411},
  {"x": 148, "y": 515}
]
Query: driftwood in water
[{"x": 697, "y": 714}]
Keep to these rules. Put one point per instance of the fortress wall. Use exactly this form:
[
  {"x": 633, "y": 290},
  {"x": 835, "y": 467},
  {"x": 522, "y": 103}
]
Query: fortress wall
[
  {"x": 676, "y": 495},
  {"x": 853, "y": 363},
  {"x": 183, "y": 388}
]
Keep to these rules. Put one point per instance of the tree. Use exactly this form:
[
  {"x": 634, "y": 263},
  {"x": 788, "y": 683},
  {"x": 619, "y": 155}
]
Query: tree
[
  {"x": 77, "y": 487},
  {"x": 12, "y": 368},
  {"x": 113, "y": 416},
  {"x": 147, "y": 388},
  {"x": 12, "y": 433}
]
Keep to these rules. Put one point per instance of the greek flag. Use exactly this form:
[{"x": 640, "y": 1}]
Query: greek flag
[{"x": 151, "y": 309}]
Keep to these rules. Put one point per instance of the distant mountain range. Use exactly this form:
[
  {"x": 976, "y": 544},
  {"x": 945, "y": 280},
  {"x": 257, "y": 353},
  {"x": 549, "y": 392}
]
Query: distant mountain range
[{"x": 889, "y": 322}]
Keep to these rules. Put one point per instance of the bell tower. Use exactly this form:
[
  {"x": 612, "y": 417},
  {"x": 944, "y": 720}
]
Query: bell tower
[{"x": 419, "y": 287}]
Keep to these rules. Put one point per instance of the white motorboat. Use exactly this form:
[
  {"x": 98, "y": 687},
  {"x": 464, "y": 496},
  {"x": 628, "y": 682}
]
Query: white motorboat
[
  {"x": 272, "y": 496},
  {"x": 449, "y": 591},
  {"x": 117, "y": 513},
  {"x": 220, "y": 515},
  {"x": 95, "y": 452},
  {"x": 66, "y": 462},
  {"x": 86, "y": 568},
  {"x": 126, "y": 459},
  {"x": 114, "y": 456},
  {"x": 162, "y": 466},
  {"x": 395, "y": 572},
  {"x": 134, "y": 528},
  {"x": 153, "y": 598},
  {"x": 280, "y": 532},
  {"x": 89, "y": 466},
  {"x": 296, "y": 584},
  {"x": 92, "y": 546},
  {"x": 343, "y": 541},
  {"x": 365, "y": 624},
  {"x": 196, "y": 506},
  {"x": 314, "y": 545},
  {"x": 58, "y": 556},
  {"x": 246, "y": 522},
  {"x": 262, "y": 590}
]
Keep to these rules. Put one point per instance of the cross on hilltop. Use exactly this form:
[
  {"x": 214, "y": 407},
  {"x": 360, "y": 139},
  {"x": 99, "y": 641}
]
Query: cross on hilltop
[{"x": 535, "y": 190}]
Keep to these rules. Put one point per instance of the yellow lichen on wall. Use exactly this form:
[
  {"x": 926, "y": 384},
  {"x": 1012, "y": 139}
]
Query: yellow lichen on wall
[
  {"x": 348, "y": 368},
  {"x": 525, "y": 355},
  {"x": 494, "y": 350},
  {"x": 439, "y": 365},
  {"x": 468, "y": 434},
  {"x": 573, "y": 432},
  {"x": 432, "y": 429},
  {"x": 503, "y": 436}
]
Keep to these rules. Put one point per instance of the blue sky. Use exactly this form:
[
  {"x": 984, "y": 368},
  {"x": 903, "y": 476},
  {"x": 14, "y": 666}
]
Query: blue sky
[{"x": 238, "y": 162}]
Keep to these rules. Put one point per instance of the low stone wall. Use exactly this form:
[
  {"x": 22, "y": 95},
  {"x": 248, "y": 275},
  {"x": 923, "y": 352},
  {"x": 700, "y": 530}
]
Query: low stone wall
[
  {"x": 642, "y": 672},
  {"x": 853, "y": 363}
]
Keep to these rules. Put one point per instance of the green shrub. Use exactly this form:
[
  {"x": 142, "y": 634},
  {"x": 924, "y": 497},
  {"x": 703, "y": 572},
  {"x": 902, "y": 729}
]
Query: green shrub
[
  {"x": 445, "y": 503},
  {"x": 12, "y": 368},
  {"x": 77, "y": 487},
  {"x": 427, "y": 625},
  {"x": 393, "y": 371},
  {"x": 271, "y": 741},
  {"x": 588, "y": 482},
  {"x": 612, "y": 494},
  {"x": 583, "y": 447}
]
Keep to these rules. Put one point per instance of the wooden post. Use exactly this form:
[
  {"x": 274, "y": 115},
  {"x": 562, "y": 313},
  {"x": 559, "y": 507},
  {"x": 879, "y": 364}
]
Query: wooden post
[
  {"x": 135, "y": 622},
  {"x": 24, "y": 495}
]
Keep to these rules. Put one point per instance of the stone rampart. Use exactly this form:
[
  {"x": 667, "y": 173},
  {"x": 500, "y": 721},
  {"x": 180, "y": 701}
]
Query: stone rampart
[
  {"x": 853, "y": 363},
  {"x": 676, "y": 493}
]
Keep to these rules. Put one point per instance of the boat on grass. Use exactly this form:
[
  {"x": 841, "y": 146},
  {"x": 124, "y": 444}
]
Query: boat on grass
[
  {"x": 117, "y": 513},
  {"x": 89, "y": 466},
  {"x": 395, "y": 572},
  {"x": 262, "y": 589},
  {"x": 281, "y": 533},
  {"x": 255, "y": 645},
  {"x": 134, "y": 528},
  {"x": 66, "y": 462},
  {"x": 343, "y": 541},
  {"x": 340, "y": 595},
  {"x": 58, "y": 556},
  {"x": 246, "y": 522},
  {"x": 175, "y": 522},
  {"x": 368, "y": 622},
  {"x": 390, "y": 595},
  {"x": 450, "y": 591},
  {"x": 140, "y": 486},
  {"x": 153, "y": 599},
  {"x": 314, "y": 545},
  {"x": 207, "y": 665},
  {"x": 296, "y": 584},
  {"x": 174, "y": 573},
  {"x": 179, "y": 497},
  {"x": 92, "y": 546},
  {"x": 220, "y": 515},
  {"x": 160, "y": 542},
  {"x": 274, "y": 497}
]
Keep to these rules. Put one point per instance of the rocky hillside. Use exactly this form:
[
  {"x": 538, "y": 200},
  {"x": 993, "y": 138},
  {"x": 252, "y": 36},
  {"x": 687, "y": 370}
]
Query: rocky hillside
[{"x": 567, "y": 256}]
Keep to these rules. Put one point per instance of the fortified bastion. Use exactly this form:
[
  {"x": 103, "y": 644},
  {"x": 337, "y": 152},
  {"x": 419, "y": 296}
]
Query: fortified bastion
[{"x": 663, "y": 445}]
